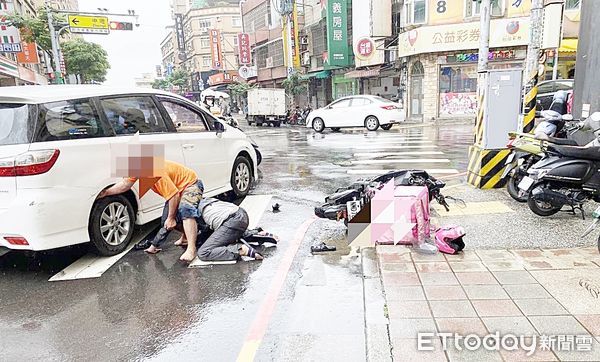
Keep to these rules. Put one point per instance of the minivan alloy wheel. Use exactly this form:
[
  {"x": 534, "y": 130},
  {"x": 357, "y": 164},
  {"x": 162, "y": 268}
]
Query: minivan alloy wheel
[
  {"x": 115, "y": 223},
  {"x": 242, "y": 176}
]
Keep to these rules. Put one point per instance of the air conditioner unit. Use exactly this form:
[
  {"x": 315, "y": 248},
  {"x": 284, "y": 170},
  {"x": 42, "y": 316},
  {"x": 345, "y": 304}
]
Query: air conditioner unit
[{"x": 270, "y": 62}]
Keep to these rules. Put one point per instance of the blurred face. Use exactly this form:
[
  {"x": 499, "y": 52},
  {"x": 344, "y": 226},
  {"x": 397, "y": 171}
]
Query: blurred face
[{"x": 138, "y": 160}]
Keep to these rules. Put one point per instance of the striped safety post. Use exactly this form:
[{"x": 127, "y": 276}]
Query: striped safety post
[
  {"x": 485, "y": 165},
  {"x": 530, "y": 103}
]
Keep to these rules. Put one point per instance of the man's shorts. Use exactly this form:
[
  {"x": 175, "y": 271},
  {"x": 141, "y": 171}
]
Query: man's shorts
[{"x": 190, "y": 198}]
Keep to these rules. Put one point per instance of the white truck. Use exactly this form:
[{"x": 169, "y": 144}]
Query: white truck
[{"x": 266, "y": 106}]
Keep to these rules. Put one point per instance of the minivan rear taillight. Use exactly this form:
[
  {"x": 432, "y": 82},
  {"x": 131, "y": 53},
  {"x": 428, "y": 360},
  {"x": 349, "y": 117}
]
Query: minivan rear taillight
[{"x": 28, "y": 164}]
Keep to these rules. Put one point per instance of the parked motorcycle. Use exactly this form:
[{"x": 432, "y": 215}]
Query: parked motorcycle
[
  {"x": 566, "y": 175},
  {"x": 527, "y": 150},
  {"x": 344, "y": 204}
]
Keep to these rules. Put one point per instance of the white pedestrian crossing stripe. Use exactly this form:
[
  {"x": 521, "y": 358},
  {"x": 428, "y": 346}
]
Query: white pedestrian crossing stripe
[
  {"x": 433, "y": 171},
  {"x": 404, "y": 160},
  {"x": 93, "y": 266},
  {"x": 409, "y": 153}
]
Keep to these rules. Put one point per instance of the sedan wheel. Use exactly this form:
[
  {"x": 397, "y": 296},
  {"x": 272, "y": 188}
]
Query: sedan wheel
[
  {"x": 318, "y": 125},
  {"x": 111, "y": 225},
  {"x": 372, "y": 123}
]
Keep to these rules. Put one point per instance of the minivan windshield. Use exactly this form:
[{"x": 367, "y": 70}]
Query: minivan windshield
[{"x": 15, "y": 127}]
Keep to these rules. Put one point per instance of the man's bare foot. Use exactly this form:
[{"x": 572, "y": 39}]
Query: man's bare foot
[
  {"x": 188, "y": 256},
  {"x": 153, "y": 250},
  {"x": 182, "y": 241},
  {"x": 249, "y": 252}
]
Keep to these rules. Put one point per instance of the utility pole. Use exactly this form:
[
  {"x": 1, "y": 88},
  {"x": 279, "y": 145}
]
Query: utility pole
[
  {"x": 54, "y": 40},
  {"x": 532, "y": 66},
  {"x": 482, "y": 66}
]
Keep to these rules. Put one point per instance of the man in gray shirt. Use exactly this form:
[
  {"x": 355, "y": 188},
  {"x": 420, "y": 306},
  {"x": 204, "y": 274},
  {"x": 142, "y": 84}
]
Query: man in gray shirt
[{"x": 228, "y": 223}]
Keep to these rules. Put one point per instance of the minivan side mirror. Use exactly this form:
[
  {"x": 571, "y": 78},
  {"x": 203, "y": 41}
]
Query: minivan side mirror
[{"x": 219, "y": 127}]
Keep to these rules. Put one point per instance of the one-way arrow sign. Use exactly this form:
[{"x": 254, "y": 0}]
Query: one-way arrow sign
[{"x": 75, "y": 21}]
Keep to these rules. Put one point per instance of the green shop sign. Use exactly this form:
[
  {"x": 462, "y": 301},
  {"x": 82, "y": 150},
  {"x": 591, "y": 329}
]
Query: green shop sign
[{"x": 337, "y": 33}]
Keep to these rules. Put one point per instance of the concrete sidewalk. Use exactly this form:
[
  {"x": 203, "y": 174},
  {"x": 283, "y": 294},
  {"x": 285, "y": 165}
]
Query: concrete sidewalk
[{"x": 549, "y": 296}]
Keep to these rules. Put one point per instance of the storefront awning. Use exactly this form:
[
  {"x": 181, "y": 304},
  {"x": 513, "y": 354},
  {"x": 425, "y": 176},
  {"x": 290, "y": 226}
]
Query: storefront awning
[
  {"x": 568, "y": 46},
  {"x": 363, "y": 73},
  {"x": 322, "y": 74}
]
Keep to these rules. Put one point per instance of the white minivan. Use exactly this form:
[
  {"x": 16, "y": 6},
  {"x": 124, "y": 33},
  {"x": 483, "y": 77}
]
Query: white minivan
[{"x": 55, "y": 158}]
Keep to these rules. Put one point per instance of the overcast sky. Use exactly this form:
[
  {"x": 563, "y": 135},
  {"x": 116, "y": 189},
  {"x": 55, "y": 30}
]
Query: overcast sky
[{"x": 132, "y": 53}]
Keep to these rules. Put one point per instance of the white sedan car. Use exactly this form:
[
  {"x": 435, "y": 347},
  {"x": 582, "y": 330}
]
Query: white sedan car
[
  {"x": 366, "y": 111},
  {"x": 55, "y": 158}
]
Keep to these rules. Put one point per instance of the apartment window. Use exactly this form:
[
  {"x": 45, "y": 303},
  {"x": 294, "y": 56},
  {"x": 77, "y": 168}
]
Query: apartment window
[
  {"x": 416, "y": 11},
  {"x": 235, "y": 41},
  {"x": 236, "y": 22},
  {"x": 572, "y": 4},
  {"x": 206, "y": 61},
  {"x": 473, "y": 8},
  {"x": 205, "y": 23},
  {"x": 257, "y": 18},
  {"x": 204, "y": 43}
]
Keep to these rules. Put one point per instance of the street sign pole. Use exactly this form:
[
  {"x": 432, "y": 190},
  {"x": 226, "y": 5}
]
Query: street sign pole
[
  {"x": 54, "y": 40},
  {"x": 532, "y": 66}
]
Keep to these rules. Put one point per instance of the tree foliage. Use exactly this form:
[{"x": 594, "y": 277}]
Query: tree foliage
[
  {"x": 240, "y": 88},
  {"x": 88, "y": 61},
  {"x": 179, "y": 77},
  {"x": 35, "y": 29},
  {"x": 294, "y": 85}
]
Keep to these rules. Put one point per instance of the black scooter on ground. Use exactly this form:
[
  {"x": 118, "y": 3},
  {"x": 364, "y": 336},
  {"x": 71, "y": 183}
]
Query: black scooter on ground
[{"x": 345, "y": 203}]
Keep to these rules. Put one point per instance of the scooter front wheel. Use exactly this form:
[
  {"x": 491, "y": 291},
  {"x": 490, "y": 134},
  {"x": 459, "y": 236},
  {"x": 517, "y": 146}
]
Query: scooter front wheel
[
  {"x": 512, "y": 186},
  {"x": 542, "y": 208}
]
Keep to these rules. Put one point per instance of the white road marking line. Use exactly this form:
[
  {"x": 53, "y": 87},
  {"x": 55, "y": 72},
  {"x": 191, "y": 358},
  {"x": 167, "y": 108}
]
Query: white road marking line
[
  {"x": 385, "y": 148},
  {"x": 409, "y": 153},
  {"x": 433, "y": 171},
  {"x": 255, "y": 206},
  {"x": 93, "y": 266},
  {"x": 410, "y": 142},
  {"x": 405, "y": 160},
  {"x": 197, "y": 263}
]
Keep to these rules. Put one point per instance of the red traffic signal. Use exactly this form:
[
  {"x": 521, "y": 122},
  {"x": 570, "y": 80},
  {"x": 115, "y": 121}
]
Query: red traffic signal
[{"x": 119, "y": 25}]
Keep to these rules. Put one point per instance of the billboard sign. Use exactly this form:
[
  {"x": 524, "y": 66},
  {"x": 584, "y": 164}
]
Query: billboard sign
[
  {"x": 244, "y": 54},
  {"x": 179, "y": 33},
  {"x": 216, "y": 53},
  {"x": 337, "y": 33}
]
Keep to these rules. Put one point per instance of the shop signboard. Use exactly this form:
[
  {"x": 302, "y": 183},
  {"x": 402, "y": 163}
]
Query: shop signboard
[
  {"x": 446, "y": 12},
  {"x": 216, "y": 53},
  {"x": 518, "y": 8},
  {"x": 337, "y": 33},
  {"x": 368, "y": 23},
  {"x": 29, "y": 54},
  {"x": 463, "y": 36},
  {"x": 180, "y": 34},
  {"x": 245, "y": 56}
]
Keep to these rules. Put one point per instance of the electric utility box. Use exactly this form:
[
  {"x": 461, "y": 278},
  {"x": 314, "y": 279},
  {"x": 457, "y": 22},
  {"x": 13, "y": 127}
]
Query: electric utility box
[{"x": 503, "y": 100}]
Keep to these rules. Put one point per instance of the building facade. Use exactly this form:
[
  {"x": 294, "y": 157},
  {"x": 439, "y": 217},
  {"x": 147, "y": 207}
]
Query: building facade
[
  {"x": 438, "y": 52},
  {"x": 21, "y": 63},
  {"x": 262, "y": 21},
  {"x": 203, "y": 41}
]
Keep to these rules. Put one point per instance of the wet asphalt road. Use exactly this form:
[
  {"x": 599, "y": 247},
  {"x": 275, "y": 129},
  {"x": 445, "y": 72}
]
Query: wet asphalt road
[{"x": 153, "y": 307}]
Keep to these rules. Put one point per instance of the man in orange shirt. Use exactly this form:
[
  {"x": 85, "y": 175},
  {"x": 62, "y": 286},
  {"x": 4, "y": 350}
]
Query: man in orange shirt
[{"x": 181, "y": 188}]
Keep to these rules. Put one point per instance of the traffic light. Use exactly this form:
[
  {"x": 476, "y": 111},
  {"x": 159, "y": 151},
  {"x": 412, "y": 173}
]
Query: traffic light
[{"x": 119, "y": 25}]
